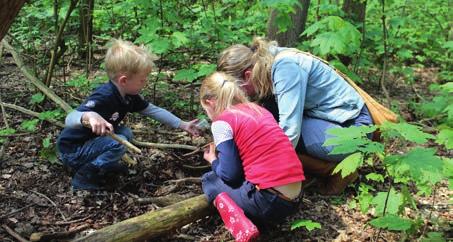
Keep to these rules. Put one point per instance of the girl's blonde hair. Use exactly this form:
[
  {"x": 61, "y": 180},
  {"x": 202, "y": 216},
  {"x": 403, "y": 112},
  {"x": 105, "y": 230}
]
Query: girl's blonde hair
[
  {"x": 236, "y": 59},
  {"x": 123, "y": 57},
  {"x": 224, "y": 89}
]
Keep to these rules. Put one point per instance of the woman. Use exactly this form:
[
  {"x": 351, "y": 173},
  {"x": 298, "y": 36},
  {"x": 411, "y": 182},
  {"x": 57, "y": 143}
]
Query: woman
[{"x": 306, "y": 96}]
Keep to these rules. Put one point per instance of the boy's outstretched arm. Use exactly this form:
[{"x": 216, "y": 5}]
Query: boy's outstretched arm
[{"x": 166, "y": 117}]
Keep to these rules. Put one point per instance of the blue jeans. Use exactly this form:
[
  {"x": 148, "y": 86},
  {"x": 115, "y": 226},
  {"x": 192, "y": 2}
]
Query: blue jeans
[
  {"x": 103, "y": 152},
  {"x": 313, "y": 135},
  {"x": 260, "y": 206}
]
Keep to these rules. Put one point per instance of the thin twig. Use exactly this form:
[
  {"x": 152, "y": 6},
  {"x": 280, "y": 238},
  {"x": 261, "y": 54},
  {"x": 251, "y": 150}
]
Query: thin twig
[
  {"x": 14, "y": 234},
  {"x": 187, "y": 179},
  {"x": 196, "y": 151},
  {"x": 48, "y": 236},
  {"x": 384, "y": 64},
  {"x": 52, "y": 202},
  {"x": 163, "y": 146},
  {"x": 2, "y": 147},
  {"x": 197, "y": 168},
  {"x": 73, "y": 221},
  {"x": 29, "y": 112},
  {"x": 16, "y": 211}
]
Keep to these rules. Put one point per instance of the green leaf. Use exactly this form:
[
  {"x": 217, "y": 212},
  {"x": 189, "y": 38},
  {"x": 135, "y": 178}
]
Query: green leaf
[
  {"x": 391, "y": 222},
  {"x": 352, "y": 139},
  {"x": 306, "y": 223},
  {"x": 37, "y": 98},
  {"x": 50, "y": 115},
  {"x": 445, "y": 137},
  {"x": 29, "y": 125},
  {"x": 420, "y": 165},
  {"x": 185, "y": 74},
  {"x": 449, "y": 111},
  {"x": 394, "y": 202},
  {"x": 7, "y": 131},
  {"x": 160, "y": 45},
  {"x": 329, "y": 42},
  {"x": 375, "y": 177},
  {"x": 206, "y": 69},
  {"x": 46, "y": 142},
  {"x": 364, "y": 197},
  {"x": 447, "y": 86},
  {"x": 179, "y": 39},
  {"x": 434, "y": 237},
  {"x": 448, "y": 45},
  {"x": 408, "y": 131},
  {"x": 349, "y": 165}
]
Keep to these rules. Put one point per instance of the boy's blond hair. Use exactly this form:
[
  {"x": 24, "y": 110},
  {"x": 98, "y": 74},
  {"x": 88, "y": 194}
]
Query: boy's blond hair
[{"x": 125, "y": 58}]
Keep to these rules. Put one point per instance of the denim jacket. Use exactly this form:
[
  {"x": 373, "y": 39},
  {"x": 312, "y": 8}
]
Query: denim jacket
[{"x": 303, "y": 85}]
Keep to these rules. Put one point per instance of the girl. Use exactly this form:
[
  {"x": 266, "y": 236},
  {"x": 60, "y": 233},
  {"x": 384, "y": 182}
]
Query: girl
[
  {"x": 255, "y": 164},
  {"x": 306, "y": 96}
]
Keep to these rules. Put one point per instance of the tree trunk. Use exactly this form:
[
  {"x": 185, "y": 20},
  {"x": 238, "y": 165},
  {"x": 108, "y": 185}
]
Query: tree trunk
[
  {"x": 291, "y": 36},
  {"x": 155, "y": 223},
  {"x": 355, "y": 10},
  {"x": 86, "y": 32},
  {"x": 8, "y": 12}
]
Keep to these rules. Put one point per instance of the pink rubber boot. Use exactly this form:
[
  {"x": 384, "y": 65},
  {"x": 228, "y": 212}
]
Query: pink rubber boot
[{"x": 235, "y": 220}]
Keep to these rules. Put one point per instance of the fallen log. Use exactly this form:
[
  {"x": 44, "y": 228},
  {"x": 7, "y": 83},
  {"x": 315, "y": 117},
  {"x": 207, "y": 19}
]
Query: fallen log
[{"x": 155, "y": 223}]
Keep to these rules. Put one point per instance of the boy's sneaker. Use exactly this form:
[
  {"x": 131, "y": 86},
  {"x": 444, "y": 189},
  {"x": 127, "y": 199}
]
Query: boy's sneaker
[
  {"x": 235, "y": 220},
  {"x": 86, "y": 178}
]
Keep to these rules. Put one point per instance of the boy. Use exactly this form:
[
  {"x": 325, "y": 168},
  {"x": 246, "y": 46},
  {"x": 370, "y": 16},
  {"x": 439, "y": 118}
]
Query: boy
[{"x": 88, "y": 151}]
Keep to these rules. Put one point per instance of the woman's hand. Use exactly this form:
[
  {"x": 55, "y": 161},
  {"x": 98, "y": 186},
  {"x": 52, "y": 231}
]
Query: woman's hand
[
  {"x": 209, "y": 153},
  {"x": 97, "y": 124},
  {"x": 190, "y": 127}
]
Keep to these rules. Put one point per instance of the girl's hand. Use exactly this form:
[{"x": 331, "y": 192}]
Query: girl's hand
[
  {"x": 190, "y": 127},
  {"x": 209, "y": 153},
  {"x": 97, "y": 124}
]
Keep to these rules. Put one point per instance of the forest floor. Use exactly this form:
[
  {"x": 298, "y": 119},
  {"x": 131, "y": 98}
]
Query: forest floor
[{"x": 41, "y": 191}]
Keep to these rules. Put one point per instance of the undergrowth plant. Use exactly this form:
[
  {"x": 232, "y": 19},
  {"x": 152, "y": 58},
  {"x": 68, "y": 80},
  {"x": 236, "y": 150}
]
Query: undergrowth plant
[{"x": 398, "y": 174}]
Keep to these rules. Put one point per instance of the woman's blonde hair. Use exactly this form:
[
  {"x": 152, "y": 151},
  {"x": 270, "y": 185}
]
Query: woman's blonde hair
[
  {"x": 224, "y": 89},
  {"x": 236, "y": 59},
  {"x": 123, "y": 57}
]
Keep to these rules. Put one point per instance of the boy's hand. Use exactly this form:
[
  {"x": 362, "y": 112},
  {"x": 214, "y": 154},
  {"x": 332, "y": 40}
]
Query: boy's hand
[
  {"x": 98, "y": 124},
  {"x": 209, "y": 153},
  {"x": 190, "y": 127}
]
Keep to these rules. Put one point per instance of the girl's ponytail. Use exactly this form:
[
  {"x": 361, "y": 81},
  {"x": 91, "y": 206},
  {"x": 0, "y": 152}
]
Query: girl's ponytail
[{"x": 224, "y": 89}]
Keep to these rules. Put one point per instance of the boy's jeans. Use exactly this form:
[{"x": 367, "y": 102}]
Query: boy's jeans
[{"x": 103, "y": 152}]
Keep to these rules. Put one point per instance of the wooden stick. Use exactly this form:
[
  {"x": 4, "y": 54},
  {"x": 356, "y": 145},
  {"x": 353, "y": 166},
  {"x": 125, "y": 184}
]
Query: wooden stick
[
  {"x": 52, "y": 202},
  {"x": 16, "y": 211},
  {"x": 165, "y": 200},
  {"x": 196, "y": 151},
  {"x": 33, "y": 79},
  {"x": 29, "y": 112},
  {"x": 128, "y": 160},
  {"x": 14, "y": 234},
  {"x": 163, "y": 146},
  {"x": 114, "y": 136},
  {"x": 47, "y": 236}
]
